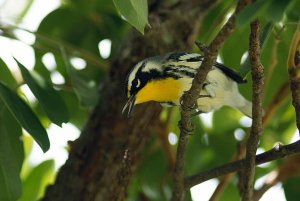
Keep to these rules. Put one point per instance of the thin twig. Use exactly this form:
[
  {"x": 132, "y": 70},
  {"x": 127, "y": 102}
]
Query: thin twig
[
  {"x": 276, "y": 153},
  {"x": 257, "y": 194},
  {"x": 189, "y": 99},
  {"x": 257, "y": 127},
  {"x": 220, "y": 188}
]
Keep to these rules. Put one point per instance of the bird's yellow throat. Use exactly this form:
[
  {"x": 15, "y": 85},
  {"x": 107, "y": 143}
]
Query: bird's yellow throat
[{"x": 160, "y": 90}]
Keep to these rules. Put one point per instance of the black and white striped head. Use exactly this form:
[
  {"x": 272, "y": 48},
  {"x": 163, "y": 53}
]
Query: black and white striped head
[
  {"x": 160, "y": 67},
  {"x": 139, "y": 76}
]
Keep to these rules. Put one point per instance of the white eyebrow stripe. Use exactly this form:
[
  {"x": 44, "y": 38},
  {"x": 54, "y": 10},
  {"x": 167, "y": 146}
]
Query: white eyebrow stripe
[
  {"x": 188, "y": 56},
  {"x": 151, "y": 65}
]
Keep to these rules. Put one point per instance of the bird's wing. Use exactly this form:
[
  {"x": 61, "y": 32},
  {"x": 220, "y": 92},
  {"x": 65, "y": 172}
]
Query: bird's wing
[
  {"x": 231, "y": 73},
  {"x": 185, "y": 59}
]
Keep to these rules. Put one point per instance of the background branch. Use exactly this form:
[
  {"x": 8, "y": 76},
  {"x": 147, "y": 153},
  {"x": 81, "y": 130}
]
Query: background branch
[
  {"x": 257, "y": 127},
  {"x": 276, "y": 153}
]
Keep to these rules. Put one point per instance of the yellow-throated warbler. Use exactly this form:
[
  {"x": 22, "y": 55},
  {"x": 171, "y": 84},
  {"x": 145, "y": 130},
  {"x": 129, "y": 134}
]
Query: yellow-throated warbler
[{"x": 164, "y": 78}]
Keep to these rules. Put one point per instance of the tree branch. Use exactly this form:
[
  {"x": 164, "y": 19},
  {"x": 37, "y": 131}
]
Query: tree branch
[
  {"x": 189, "y": 99},
  {"x": 278, "y": 152},
  {"x": 294, "y": 72},
  {"x": 257, "y": 127}
]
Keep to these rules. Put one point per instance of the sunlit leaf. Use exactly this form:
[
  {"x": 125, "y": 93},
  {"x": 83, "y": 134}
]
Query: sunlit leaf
[
  {"x": 212, "y": 22},
  {"x": 50, "y": 100},
  {"x": 5, "y": 74},
  {"x": 25, "y": 116},
  {"x": 134, "y": 11},
  {"x": 85, "y": 89},
  {"x": 11, "y": 156},
  {"x": 35, "y": 183}
]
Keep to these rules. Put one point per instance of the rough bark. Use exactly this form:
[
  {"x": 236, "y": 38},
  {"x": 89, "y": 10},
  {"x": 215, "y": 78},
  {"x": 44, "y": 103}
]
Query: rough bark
[
  {"x": 104, "y": 158},
  {"x": 257, "y": 125}
]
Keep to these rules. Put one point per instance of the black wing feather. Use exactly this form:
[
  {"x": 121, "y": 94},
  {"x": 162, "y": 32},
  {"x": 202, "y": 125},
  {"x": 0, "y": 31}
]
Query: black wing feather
[{"x": 231, "y": 73}]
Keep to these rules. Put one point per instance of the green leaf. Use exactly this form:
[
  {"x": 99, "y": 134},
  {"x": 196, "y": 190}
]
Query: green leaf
[
  {"x": 11, "y": 156},
  {"x": 85, "y": 89},
  {"x": 251, "y": 12},
  {"x": 77, "y": 117},
  {"x": 25, "y": 116},
  {"x": 213, "y": 20},
  {"x": 276, "y": 9},
  {"x": 291, "y": 189},
  {"x": 5, "y": 74},
  {"x": 134, "y": 11},
  {"x": 50, "y": 100},
  {"x": 35, "y": 183},
  {"x": 230, "y": 54}
]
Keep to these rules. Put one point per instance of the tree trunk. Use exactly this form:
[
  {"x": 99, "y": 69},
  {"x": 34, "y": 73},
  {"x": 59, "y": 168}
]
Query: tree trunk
[{"x": 104, "y": 158}]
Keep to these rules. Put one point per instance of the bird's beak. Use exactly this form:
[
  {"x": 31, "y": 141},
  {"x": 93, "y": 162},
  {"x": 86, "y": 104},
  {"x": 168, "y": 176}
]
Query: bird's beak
[{"x": 129, "y": 105}]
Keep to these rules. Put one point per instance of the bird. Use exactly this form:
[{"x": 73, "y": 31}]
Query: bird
[{"x": 164, "y": 79}]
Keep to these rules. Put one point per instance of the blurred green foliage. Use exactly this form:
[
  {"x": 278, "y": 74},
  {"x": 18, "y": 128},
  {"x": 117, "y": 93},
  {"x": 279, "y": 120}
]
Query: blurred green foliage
[{"x": 74, "y": 30}]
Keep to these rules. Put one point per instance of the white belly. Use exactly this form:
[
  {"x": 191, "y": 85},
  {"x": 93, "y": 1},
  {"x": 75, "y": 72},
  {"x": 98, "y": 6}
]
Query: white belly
[{"x": 221, "y": 89}]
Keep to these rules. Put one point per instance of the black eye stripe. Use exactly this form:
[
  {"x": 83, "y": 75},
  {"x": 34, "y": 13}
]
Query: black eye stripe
[{"x": 144, "y": 78}]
